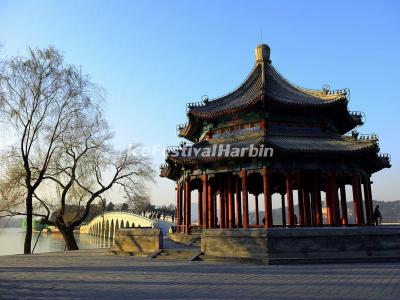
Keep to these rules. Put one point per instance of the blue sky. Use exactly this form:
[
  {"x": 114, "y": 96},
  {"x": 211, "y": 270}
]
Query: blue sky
[{"x": 153, "y": 57}]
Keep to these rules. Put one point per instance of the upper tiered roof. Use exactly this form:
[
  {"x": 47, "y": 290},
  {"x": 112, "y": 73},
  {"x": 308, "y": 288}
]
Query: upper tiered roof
[
  {"x": 266, "y": 83},
  {"x": 266, "y": 86}
]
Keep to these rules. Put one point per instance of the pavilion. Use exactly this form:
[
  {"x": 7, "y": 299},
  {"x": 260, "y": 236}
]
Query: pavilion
[{"x": 313, "y": 147}]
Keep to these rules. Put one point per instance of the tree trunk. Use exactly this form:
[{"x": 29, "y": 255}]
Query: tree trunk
[
  {"x": 69, "y": 238},
  {"x": 28, "y": 234}
]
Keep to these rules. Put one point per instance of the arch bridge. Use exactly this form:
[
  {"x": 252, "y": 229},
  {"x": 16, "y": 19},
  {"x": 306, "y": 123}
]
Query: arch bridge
[{"x": 106, "y": 225}]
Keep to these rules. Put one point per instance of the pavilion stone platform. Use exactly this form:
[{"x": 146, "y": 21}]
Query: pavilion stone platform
[
  {"x": 304, "y": 245},
  {"x": 138, "y": 241},
  {"x": 187, "y": 239}
]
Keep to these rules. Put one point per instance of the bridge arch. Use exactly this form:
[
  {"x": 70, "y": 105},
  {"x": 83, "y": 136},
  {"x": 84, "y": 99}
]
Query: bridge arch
[
  {"x": 107, "y": 229},
  {"x": 112, "y": 229},
  {"x": 107, "y": 225}
]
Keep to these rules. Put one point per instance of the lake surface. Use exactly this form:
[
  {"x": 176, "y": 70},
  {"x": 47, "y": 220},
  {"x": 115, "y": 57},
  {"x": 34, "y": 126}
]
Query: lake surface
[{"x": 12, "y": 241}]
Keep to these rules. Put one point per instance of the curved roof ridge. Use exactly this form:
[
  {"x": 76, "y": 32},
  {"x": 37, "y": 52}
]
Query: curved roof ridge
[
  {"x": 276, "y": 78},
  {"x": 313, "y": 92},
  {"x": 241, "y": 86},
  {"x": 248, "y": 92}
]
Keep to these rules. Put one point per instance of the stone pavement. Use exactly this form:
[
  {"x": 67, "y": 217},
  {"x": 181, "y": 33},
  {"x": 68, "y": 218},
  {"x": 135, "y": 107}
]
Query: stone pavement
[{"x": 95, "y": 274}]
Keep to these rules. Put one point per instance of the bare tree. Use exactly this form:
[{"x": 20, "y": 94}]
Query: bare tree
[
  {"x": 84, "y": 168},
  {"x": 12, "y": 190},
  {"x": 40, "y": 96},
  {"x": 140, "y": 203}
]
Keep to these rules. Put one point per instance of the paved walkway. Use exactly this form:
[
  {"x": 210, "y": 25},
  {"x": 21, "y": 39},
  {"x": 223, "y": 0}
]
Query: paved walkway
[
  {"x": 164, "y": 227},
  {"x": 94, "y": 274}
]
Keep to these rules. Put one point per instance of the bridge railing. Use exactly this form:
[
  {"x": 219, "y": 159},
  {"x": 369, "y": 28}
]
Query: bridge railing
[{"x": 109, "y": 215}]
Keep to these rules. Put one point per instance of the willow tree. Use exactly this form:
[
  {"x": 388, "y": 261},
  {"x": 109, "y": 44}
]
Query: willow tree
[
  {"x": 84, "y": 168},
  {"x": 12, "y": 190},
  {"x": 40, "y": 96}
]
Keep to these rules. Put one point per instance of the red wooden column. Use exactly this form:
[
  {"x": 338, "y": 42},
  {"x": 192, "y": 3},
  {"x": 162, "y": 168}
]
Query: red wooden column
[
  {"x": 221, "y": 203},
  {"x": 313, "y": 210},
  {"x": 307, "y": 208},
  {"x": 226, "y": 208},
  {"x": 210, "y": 211},
  {"x": 231, "y": 204},
  {"x": 368, "y": 208},
  {"x": 215, "y": 214},
  {"x": 329, "y": 208},
  {"x": 289, "y": 193},
  {"x": 238, "y": 203},
  {"x": 179, "y": 205},
  {"x": 204, "y": 201},
  {"x": 356, "y": 200},
  {"x": 257, "y": 217},
  {"x": 361, "y": 199},
  {"x": 335, "y": 201},
  {"x": 183, "y": 206},
  {"x": 283, "y": 209},
  {"x": 243, "y": 174},
  {"x": 317, "y": 196},
  {"x": 200, "y": 206},
  {"x": 188, "y": 212},
  {"x": 182, "y": 202},
  {"x": 184, "y": 196},
  {"x": 343, "y": 205},
  {"x": 370, "y": 197},
  {"x": 300, "y": 199},
  {"x": 267, "y": 199}
]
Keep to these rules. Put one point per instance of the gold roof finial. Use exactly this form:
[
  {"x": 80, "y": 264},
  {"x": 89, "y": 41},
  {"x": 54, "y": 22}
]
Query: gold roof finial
[{"x": 262, "y": 54}]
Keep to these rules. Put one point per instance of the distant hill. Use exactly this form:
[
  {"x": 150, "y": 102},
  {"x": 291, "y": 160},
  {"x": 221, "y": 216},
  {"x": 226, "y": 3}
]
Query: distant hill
[
  {"x": 11, "y": 222},
  {"x": 15, "y": 222},
  {"x": 390, "y": 210}
]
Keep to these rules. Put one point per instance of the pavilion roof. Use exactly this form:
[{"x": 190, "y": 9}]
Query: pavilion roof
[
  {"x": 265, "y": 82},
  {"x": 322, "y": 143}
]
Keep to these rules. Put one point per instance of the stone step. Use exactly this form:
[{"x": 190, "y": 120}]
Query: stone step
[
  {"x": 332, "y": 260},
  {"x": 301, "y": 261},
  {"x": 178, "y": 254}
]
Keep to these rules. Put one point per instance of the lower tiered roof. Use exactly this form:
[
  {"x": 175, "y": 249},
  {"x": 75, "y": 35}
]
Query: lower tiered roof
[{"x": 288, "y": 143}]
